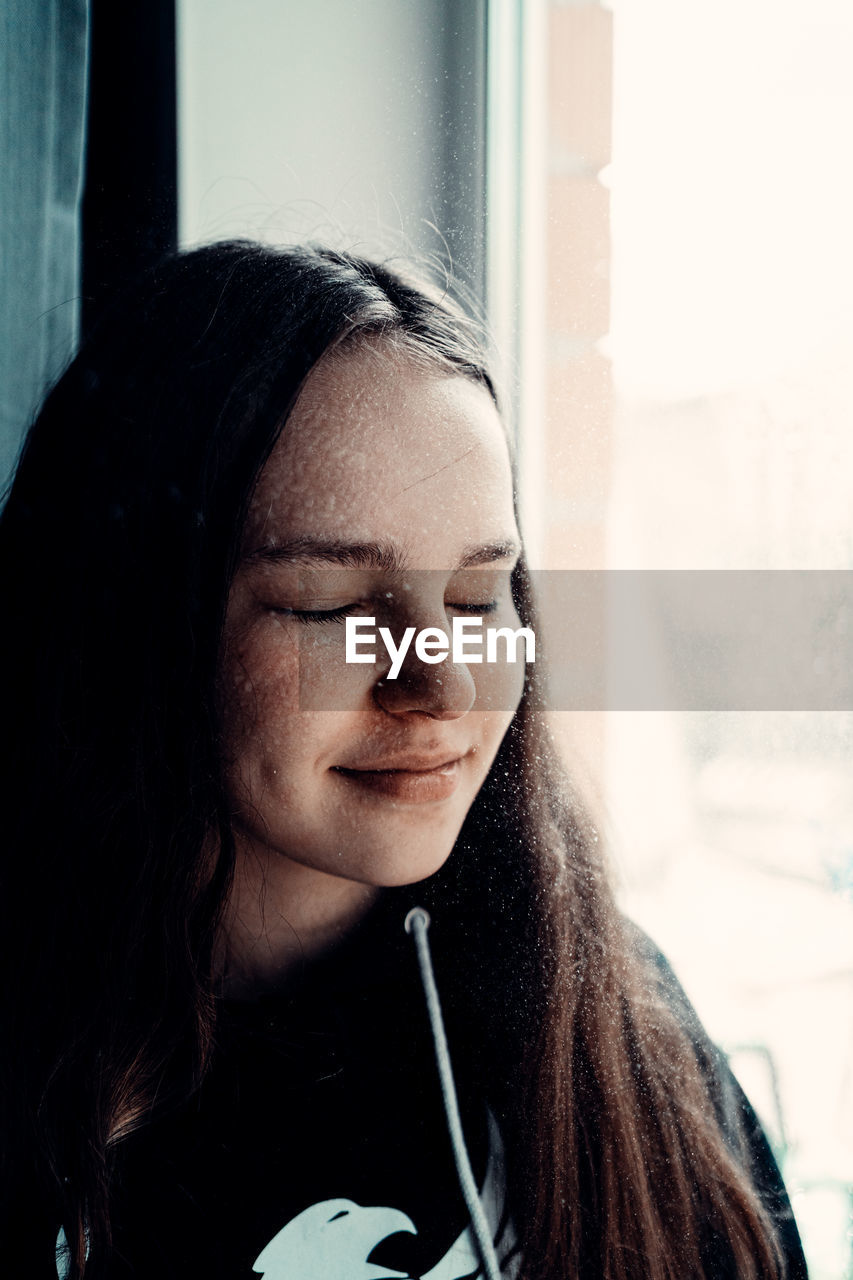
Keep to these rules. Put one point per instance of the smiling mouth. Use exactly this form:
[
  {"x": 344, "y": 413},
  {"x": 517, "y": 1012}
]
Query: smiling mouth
[{"x": 412, "y": 785}]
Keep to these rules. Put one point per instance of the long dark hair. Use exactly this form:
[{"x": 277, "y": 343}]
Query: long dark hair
[{"x": 117, "y": 547}]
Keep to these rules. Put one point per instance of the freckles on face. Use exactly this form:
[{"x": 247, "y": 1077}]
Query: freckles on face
[
  {"x": 254, "y": 672},
  {"x": 387, "y": 480}
]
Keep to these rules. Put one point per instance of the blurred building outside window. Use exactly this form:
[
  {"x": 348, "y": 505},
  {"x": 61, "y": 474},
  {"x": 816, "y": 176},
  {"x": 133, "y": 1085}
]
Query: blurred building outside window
[{"x": 697, "y": 387}]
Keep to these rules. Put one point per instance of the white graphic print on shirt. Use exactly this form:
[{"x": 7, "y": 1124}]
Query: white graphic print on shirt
[{"x": 335, "y": 1238}]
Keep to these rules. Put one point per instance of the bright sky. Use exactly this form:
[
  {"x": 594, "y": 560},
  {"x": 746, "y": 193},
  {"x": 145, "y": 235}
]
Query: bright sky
[{"x": 732, "y": 209}]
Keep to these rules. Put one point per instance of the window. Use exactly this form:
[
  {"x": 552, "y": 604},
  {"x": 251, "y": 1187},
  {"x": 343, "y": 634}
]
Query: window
[{"x": 694, "y": 371}]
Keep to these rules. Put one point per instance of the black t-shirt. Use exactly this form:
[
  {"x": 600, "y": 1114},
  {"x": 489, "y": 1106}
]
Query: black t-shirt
[{"x": 317, "y": 1148}]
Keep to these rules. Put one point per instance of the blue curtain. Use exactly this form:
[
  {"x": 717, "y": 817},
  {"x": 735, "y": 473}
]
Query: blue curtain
[{"x": 43, "y": 55}]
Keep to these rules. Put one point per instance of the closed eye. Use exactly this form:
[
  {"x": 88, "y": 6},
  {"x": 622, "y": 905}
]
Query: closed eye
[
  {"x": 319, "y": 615},
  {"x": 347, "y": 610},
  {"x": 477, "y": 609}
]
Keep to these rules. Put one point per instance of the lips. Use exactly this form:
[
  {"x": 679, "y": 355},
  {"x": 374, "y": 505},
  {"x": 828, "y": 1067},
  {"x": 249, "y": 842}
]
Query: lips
[
  {"x": 410, "y": 762},
  {"x": 414, "y": 779}
]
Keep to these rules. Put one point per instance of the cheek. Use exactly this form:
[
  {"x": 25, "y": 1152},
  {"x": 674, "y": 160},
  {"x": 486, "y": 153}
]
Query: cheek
[
  {"x": 496, "y": 723},
  {"x": 499, "y": 688},
  {"x": 499, "y": 691},
  {"x": 258, "y": 690},
  {"x": 326, "y": 682},
  {"x": 286, "y": 705},
  {"x": 281, "y": 666},
  {"x": 500, "y": 684}
]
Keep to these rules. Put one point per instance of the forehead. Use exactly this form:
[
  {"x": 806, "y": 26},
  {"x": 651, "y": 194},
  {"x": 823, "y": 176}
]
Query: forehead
[{"x": 380, "y": 446}]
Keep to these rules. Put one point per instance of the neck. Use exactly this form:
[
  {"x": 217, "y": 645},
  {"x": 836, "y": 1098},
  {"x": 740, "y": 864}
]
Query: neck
[{"x": 281, "y": 914}]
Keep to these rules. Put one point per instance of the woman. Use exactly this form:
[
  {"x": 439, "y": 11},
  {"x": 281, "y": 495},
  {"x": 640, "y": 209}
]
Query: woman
[{"x": 220, "y": 1061}]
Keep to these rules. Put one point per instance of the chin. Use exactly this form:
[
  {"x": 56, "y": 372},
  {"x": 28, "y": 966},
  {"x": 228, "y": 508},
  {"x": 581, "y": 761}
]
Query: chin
[{"x": 397, "y": 867}]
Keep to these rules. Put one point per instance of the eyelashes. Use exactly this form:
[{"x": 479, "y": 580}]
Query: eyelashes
[
  {"x": 319, "y": 615},
  {"x": 347, "y": 610}
]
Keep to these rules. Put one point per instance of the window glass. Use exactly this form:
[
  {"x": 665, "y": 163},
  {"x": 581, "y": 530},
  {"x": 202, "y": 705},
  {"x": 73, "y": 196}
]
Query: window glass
[{"x": 696, "y": 382}]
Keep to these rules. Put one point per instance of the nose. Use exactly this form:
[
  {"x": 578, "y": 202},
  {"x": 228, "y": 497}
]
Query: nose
[{"x": 441, "y": 691}]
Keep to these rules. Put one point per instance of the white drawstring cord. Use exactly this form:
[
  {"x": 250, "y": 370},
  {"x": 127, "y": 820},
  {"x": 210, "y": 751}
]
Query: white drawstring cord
[{"x": 417, "y": 922}]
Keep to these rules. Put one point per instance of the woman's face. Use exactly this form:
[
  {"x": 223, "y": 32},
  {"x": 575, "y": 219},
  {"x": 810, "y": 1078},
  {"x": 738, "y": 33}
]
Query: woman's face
[{"x": 388, "y": 495}]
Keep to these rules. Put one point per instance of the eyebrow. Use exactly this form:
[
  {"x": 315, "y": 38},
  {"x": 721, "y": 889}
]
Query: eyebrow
[
  {"x": 372, "y": 555},
  {"x": 508, "y": 549}
]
